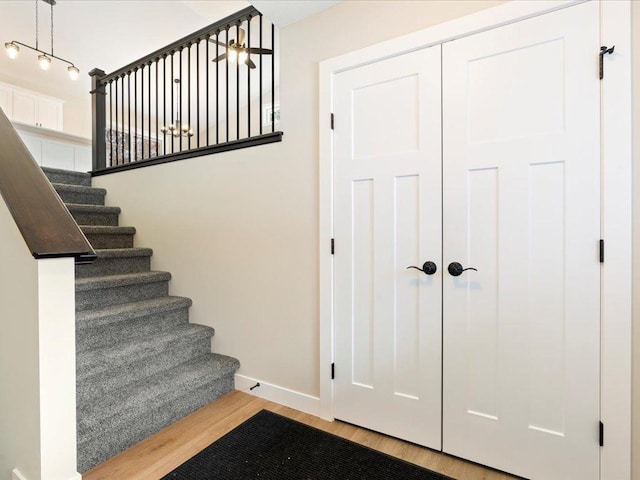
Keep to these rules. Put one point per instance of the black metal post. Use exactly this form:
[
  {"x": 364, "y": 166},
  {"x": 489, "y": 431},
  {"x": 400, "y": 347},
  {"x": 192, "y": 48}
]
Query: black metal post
[
  {"x": 135, "y": 116},
  {"x": 98, "y": 94},
  {"x": 180, "y": 116},
  {"x": 141, "y": 112},
  {"x": 189, "y": 95},
  {"x": 227, "y": 81},
  {"x": 117, "y": 134},
  {"x": 129, "y": 108},
  {"x": 122, "y": 82}
]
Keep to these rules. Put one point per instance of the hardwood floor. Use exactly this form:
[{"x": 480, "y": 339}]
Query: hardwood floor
[{"x": 158, "y": 455}]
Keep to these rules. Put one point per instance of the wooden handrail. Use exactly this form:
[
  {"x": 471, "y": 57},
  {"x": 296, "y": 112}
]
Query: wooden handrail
[{"x": 44, "y": 221}]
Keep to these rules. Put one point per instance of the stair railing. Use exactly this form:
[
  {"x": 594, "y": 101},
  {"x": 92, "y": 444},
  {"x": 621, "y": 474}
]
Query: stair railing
[
  {"x": 211, "y": 91},
  {"x": 44, "y": 221}
]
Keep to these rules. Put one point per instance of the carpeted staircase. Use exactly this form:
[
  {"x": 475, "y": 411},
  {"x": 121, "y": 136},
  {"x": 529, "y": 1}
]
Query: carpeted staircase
[{"x": 140, "y": 364}]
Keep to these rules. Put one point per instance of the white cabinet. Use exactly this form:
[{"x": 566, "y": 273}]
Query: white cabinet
[
  {"x": 6, "y": 101},
  {"x": 50, "y": 113},
  {"x": 25, "y": 108},
  {"x": 31, "y": 108},
  {"x": 56, "y": 149}
]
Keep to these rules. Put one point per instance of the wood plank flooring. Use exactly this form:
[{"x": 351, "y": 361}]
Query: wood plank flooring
[{"x": 153, "y": 458}]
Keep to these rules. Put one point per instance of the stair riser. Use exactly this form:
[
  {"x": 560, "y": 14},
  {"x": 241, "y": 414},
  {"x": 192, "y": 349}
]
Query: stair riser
[
  {"x": 96, "y": 218},
  {"x": 68, "y": 178},
  {"x": 81, "y": 198},
  {"x": 100, "y": 384},
  {"x": 114, "y": 266},
  {"x": 100, "y": 336},
  {"x": 110, "y": 240},
  {"x": 103, "y": 297},
  {"x": 113, "y": 439}
]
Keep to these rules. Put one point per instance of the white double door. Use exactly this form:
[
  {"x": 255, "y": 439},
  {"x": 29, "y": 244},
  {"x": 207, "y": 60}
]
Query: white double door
[{"x": 485, "y": 152}]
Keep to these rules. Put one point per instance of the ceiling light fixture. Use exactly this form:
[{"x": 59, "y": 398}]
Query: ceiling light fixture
[
  {"x": 44, "y": 59},
  {"x": 177, "y": 129}
]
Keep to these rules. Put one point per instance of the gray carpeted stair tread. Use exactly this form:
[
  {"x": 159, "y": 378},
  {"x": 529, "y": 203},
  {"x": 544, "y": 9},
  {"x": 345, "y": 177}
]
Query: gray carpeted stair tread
[
  {"x": 136, "y": 349},
  {"x": 117, "y": 408},
  {"x": 135, "y": 320},
  {"x": 101, "y": 230},
  {"x": 117, "y": 261},
  {"x": 111, "y": 281},
  {"x": 81, "y": 207},
  {"x": 99, "y": 448},
  {"x": 98, "y": 215},
  {"x": 98, "y": 292},
  {"x": 109, "y": 237},
  {"x": 80, "y": 194},
  {"x": 129, "y": 311},
  {"x": 123, "y": 252},
  {"x": 56, "y": 175}
]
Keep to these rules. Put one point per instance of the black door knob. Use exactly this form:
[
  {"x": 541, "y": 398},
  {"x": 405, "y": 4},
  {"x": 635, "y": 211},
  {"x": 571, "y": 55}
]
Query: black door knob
[
  {"x": 455, "y": 269},
  {"x": 428, "y": 268}
]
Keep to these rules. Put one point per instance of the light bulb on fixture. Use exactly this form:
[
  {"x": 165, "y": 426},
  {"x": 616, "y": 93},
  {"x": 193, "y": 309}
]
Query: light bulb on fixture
[
  {"x": 44, "y": 61},
  {"x": 242, "y": 57},
  {"x": 12, "y": 49},
  {"x": 74, "y": 72}
]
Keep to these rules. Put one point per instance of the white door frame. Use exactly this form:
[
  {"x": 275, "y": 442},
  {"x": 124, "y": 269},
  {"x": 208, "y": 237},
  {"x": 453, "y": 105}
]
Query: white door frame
[{"x": 616, "y": 190}]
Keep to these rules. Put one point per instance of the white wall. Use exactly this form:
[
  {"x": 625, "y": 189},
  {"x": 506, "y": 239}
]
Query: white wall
[
  {"x": 239, "y": 230},
  {"x": 37, "y": 361},
  {"x": 19, "y": 385},
  {"x": 635, "y": 445}
]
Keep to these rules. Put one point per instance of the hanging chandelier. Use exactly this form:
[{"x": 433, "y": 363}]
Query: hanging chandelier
[
  {"x": 44, "y": 59},
  {"x": 177, "y": 129}
]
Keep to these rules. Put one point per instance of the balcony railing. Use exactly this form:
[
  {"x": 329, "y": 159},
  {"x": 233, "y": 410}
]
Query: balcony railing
[{"x": 212, "y": 91}]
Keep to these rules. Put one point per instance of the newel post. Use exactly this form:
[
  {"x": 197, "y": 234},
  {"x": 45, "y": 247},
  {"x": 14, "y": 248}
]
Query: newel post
[{"x": 98, "y": 122}]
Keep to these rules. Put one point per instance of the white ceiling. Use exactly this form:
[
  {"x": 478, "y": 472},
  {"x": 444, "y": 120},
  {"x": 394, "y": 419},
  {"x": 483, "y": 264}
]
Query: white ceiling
[{"x": 109, "y": 34}]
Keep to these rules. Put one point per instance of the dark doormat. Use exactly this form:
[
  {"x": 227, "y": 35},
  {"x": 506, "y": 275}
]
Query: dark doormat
[{"x": 272, "y": 447}]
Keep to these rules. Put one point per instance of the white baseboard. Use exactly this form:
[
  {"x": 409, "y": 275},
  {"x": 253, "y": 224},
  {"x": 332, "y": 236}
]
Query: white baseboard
[
  {"x": 284, "y": 396},
  {"x": 16, "y": 475}
]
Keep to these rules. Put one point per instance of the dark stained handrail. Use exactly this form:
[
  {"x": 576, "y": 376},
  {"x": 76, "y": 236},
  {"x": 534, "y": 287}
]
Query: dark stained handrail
[{"x": 44, "y": 221}]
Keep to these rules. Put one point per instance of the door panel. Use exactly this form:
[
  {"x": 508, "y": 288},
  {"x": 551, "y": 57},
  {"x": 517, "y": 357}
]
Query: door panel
[
  {"x": 521, "y": 204},
  {"x": 387, "y": 179}
]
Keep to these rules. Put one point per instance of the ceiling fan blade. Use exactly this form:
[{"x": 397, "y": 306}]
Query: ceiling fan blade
[
  {"x": 241, "y": 35},
  {"x": 219, "y": 43},
  {"x": 264, "y": 51},
  {"x": 221, "y": 57},
  {"x": 250, "y": 63}
]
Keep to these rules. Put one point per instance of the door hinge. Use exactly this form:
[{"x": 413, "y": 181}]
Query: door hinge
[
  {"x": 604, "y": 50},
  {"x": 601, "y": 434},
  {"x": 601, "y": 251},
  {"x": 333, "y": 371},
  {"x": 332, "y": 120},
  {"x": 333, "y": 246}
]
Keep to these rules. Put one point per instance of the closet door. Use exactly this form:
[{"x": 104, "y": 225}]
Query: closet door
[
  {"x": 521, "y": 199},
  {"x": 387, "y": 214}
]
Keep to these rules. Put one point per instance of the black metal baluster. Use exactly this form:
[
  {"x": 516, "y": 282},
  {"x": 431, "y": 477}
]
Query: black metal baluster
[
  {"x": 135, "y": 114},
  {"x": 141, "y": 112},
  {"x": 157, "y": 108},
  {"x": 180, "y": 116},
  {"x": 189, "y": 96},
  {"x": 260, "y": 74},
  {"x": 122, "y": 78},
  {"x": 116, "y": 99},
  {"x": 172, "y": 114},
  {"x": 238, "y": 81},
  {"x": 164, "y": 103},
  {"x": 273, "y": 78},
  {"x": 227, "y": 82},
  {"x": 217, "y": 90},
  {"x": 249, "y": 78},
  {"x": 110, "y": 122},
  {"x": 129, "y": 107},
  {"x": 198, "y": 93},
  {"x": 149, "y": 110},
  {"x": 206, "y": 64}
]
